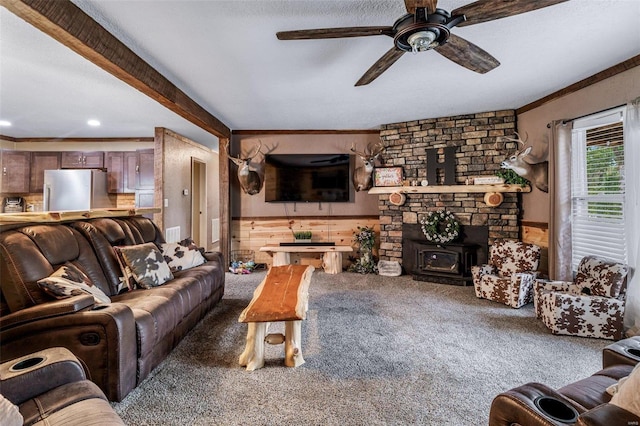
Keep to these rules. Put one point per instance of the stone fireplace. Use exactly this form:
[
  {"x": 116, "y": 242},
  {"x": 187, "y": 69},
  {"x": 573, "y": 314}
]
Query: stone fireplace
[{"x": 474, "y": 137}]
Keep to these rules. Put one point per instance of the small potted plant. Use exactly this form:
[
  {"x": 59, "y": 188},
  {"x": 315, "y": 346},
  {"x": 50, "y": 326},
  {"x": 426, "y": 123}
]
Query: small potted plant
[{"x": 302, "y": 236}]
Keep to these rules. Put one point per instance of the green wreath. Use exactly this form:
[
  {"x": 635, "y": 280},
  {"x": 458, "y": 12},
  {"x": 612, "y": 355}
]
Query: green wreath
[{"x": 440, "y": 227}]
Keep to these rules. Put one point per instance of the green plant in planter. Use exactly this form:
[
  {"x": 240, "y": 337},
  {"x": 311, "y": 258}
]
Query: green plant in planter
[
  {"x": 302, "y": 235},
  {"x": 512, "y": 177}
]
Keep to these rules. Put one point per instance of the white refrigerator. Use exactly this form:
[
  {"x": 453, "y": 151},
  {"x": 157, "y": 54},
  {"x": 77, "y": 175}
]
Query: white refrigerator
[{"x": 76, "y": 189}]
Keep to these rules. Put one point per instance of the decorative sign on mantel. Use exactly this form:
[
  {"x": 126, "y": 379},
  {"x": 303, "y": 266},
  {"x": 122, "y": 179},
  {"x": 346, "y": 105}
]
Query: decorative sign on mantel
[{"x": 387, "y": 176}]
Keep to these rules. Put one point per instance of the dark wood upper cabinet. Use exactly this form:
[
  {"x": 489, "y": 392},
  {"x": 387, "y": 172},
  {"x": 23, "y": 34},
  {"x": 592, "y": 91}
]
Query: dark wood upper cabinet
[
  {"x": 145, "y": 179},
  {"x": 41, "y": 161},
  {"x": 128, "y": 171},
  {"x": 14, "y": 171},
  {"x": 114, "y": 163},
  {"x": 82, "y": 160}
]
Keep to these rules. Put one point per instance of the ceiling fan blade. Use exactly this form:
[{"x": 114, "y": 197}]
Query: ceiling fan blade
[
  {"x": 334, "y": 33},
  {"x": 380, "y": 66},
  {"x": 488, "y": 10},
  {"x": 412, "y": 5},
  {"x": 467, "y": 54}
]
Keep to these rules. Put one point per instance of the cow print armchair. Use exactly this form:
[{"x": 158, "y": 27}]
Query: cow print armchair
[
  {"x": 508, "y": 277},
  {"x": 590, "y": 306}
]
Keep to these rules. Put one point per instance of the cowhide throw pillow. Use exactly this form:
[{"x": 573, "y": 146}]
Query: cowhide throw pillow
[
  {"x": 146, "y": 264},
  {"x": 69, "y": 281},
  {"x": 183, "y": 255}
]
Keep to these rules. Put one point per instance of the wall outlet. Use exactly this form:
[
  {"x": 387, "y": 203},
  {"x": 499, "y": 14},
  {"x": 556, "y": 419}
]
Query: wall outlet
[
  {"x": 185, "y": 192},
  {"x": 166, "y": 202}
]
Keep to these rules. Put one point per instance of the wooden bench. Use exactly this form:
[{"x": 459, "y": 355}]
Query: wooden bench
[
  {"x": 283, "y": 295},
  {"x": 331, "y": 255}
]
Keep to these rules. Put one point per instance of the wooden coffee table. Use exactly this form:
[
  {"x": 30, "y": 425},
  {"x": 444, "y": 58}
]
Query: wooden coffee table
[
  {"x": 331, "y": 255},
  {"x": 283, "y": 295}
]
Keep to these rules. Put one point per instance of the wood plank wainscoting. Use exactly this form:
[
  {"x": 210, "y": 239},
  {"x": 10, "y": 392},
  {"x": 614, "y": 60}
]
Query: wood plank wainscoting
[
  {"x": 251, "y": 233},
  {"x": 537, "y": 233}
]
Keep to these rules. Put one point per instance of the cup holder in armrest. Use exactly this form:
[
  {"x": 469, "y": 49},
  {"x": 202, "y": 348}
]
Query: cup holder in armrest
[
  {"x": 633, "y": 352},
  {"x": 556, "y": 409},
  {"x": 99, "y": 307},
  {"x": 27, "y": 363}
]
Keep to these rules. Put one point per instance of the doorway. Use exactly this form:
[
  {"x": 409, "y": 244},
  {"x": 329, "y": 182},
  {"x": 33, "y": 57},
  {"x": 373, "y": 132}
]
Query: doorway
[{"x": 199, "y": 202}]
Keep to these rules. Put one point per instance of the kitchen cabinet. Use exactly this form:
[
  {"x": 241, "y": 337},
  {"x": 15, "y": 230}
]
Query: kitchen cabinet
[
  {"x": 82, "y": 160},
  {"x": 41, "y": 161},
  {"x": 15, "y": 167},
  {"x": 145, "y": 165},
  {"x": 121, "y": 171},
  {"x": 128, "y": 171}
]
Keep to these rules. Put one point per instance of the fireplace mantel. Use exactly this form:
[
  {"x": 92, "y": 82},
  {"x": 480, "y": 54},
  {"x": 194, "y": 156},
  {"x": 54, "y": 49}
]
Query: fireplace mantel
[{"x": 448, "y": 189}]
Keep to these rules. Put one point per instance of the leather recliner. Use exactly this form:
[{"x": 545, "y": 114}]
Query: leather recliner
[
  {"x": 585, "y": 402},
  {"x": 49, "y": 388}
]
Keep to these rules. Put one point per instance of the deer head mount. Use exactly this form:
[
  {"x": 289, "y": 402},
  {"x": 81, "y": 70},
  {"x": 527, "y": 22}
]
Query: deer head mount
[
  {"x": 362, "y": 175},
  {"x": 536, "y": 173},
  {"x": 250, "y": 180}
]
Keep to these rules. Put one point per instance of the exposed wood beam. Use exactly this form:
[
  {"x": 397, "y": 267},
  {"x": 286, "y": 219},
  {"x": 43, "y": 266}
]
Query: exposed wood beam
[
  {"x": 306, "y": 132},
  {"x": 602, "y": 75},
  {"x": 68, "y": 24}
]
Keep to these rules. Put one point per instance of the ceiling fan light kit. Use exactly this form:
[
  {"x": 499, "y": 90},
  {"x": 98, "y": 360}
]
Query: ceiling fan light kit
[{"x": 426, "y": 27}]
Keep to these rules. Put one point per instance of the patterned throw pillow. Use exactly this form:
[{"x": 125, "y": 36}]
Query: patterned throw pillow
[
  {"x": 183, "y": 255},
  {"x": 69, "y": 281},
  {"x": 145, "y": 263}
]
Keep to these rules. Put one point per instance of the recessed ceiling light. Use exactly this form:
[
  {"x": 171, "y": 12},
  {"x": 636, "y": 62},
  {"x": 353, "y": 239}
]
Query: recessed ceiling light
[
  {"x": 5, "y": 123},
  {"x": 93, "y": 123}
]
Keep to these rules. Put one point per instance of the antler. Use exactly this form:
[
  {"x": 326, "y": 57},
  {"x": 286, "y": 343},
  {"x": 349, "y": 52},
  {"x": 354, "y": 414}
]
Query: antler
[
  {"x": 249, "y": 157},
  {"x": 377, "y": 149},
  {"x": 518, "y": 139},
  {"x": 256, "y": 151},
  {"x": 361, "y": 154},
  {"x": 371, "y": 151}
]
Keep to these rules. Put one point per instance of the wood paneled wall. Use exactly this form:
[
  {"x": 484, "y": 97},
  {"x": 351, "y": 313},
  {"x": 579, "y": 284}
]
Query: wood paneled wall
[
  {"x": 538, "y": 233},
  {"x": 253, "y": 233}
]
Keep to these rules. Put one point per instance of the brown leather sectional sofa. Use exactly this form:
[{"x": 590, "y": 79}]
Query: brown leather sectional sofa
[
  {"x": 50, "y": 388},
  {"x": 585, "y": 402},
  {"x": 120, "y": 343}
]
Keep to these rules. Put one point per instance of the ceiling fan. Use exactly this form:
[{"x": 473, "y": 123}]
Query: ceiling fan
[{"x": 427, "y": 27}]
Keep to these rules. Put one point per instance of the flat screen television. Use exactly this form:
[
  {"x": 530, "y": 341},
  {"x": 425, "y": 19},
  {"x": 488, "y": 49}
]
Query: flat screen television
[{"x": 308, "y": 178}]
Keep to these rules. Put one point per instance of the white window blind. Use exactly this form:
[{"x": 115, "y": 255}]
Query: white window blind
[{"x": 598, "y": 188}]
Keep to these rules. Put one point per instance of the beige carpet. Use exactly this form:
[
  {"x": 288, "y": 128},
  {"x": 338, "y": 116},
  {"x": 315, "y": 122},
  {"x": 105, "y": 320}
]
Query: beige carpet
[{"x": 378, "y": 351}]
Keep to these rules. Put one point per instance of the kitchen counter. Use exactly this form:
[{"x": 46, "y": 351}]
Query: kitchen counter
[{"x": 63, "y": 216}]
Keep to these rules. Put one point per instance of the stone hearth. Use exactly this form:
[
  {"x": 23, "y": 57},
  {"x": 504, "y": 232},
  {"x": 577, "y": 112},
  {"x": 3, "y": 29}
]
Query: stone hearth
[{"x": 474, "y": 137}]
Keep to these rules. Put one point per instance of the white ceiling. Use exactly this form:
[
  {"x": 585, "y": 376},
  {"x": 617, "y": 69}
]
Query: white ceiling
[{"x": 225, "y": 55}]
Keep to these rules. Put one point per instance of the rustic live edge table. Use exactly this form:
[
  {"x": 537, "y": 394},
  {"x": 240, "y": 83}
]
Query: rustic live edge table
[
  {"x": 283, "y": 295},
  {"x": 331, "y": 255}
]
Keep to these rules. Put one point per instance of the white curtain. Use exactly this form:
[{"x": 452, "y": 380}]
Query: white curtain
[
  {"x": 560, "y": 201},
  {"x": 632, "y": 202}
]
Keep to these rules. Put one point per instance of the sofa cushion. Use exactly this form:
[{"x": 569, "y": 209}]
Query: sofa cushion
[
  {"x": 146, "y": 264},
  {"x": 600, "y": 277},
  {"x": 70, "y": 281},
  {"x": 183, "y": 255},
  {"x": 628, "y": 392}
]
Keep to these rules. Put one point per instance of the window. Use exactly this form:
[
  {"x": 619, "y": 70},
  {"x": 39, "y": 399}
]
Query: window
[{"x": 598, "y": 187}]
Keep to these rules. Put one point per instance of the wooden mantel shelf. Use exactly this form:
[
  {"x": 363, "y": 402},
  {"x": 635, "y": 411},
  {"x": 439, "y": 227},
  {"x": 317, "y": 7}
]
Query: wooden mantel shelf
[
  {"x": 52, "y": 217},
  {"x": 449, "y": 189}
]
